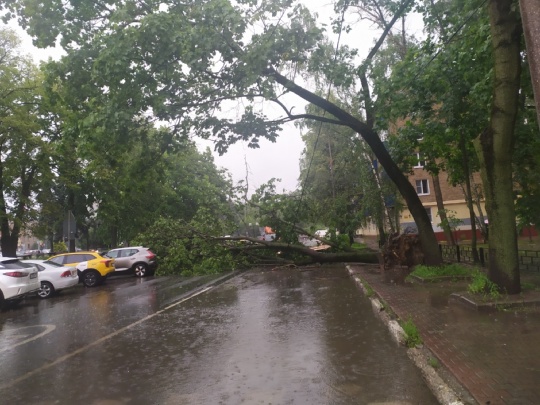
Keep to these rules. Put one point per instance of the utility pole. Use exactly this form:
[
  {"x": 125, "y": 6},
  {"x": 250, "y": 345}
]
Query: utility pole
[{"x": 530, "y": 17}]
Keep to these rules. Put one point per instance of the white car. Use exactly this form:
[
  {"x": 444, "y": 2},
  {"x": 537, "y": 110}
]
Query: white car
[
  {"x": 54, "y": 277},
  {"x": 17, "y": 280}
]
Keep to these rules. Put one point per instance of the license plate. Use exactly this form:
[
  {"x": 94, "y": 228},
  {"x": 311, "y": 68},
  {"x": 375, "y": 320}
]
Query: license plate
[{"x": 33, "y": 275}]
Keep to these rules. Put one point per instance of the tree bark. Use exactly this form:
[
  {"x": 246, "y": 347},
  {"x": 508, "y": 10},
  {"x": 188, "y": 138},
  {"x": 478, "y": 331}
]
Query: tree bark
[
  {"x": 10, "y": 225},
  {"x": 432, "y": 255},
  {"x": 468, "y": 196},
  {"x": 495, "y": 147},
  {"x": 530, "y": 16},
  {"x": 441, "y": 210},
  {"x": 316, "y": 256}
]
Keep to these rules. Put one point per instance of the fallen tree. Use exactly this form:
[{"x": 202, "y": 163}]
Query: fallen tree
[
  {"x": 189, "y": 248},
  {"x": 306, "y": 254}
]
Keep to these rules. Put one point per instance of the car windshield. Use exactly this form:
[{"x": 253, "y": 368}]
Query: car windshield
[{"x": 52, "y": 263}]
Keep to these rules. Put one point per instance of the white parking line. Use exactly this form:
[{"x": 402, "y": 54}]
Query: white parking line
[
  {"x": 48, "y": 329},
  {"x": 96, "y": 342}
]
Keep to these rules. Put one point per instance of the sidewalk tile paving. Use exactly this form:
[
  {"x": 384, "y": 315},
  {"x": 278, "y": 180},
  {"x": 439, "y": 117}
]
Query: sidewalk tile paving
[{"x": 495, "y": 356}]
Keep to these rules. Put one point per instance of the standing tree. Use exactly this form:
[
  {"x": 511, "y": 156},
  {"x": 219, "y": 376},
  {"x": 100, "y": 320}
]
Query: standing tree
[
  {"x": 530, "y": 15},
  {"x": 23, "y": 152},
  {"x": 496, "y": 143},
  {"x": 455, "y": 101}
]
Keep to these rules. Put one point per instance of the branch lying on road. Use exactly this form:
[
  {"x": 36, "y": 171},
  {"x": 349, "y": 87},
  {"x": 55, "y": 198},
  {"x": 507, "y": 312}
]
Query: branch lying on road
[{"x": 363, "y": 256}]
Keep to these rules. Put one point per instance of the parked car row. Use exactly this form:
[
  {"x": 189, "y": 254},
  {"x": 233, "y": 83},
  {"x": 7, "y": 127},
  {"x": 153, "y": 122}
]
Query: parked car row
[
  {"x": 19, "y": 278},
  {"x": 92, "y": 268}
]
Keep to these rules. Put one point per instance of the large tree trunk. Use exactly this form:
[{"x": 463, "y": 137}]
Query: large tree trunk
[
  {"x": 432, "y": 255},
  {"x": 7, "y": 243},
  {"x": 365, "y": 256},
  {"x": 495, "y": 147},
  {"x": 10, "y": 227},
  {"x": 9, "y": 240},
  {"x": 530, "y": 15}
]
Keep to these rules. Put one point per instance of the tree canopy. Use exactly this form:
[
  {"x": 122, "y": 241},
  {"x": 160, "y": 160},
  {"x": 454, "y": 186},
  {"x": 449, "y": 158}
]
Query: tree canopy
[{"x": 209, "y": 68}]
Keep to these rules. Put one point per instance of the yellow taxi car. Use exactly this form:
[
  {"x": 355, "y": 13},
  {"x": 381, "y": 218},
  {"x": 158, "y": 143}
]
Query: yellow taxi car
[{"x": 93, "y": 268}]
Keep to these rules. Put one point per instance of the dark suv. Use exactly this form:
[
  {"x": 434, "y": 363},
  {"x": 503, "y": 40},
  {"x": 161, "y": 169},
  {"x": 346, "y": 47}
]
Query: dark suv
[{"x": 138, "y": 259}]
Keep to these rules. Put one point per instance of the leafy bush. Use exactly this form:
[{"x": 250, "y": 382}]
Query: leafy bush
[
  {"x": 188, "y": 248},
  {"x": 59, "y": 247},
  {"x": 342, "y": 241},
  {"x": 482, "y": 285}
]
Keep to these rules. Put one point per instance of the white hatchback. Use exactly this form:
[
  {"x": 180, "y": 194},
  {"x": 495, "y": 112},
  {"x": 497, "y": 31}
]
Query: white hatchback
[
  {"x": 54, "y": 277},
  {"x": 17, "y": 280}
]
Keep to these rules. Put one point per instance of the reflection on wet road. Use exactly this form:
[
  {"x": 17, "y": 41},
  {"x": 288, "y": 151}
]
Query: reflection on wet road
[{"x": 264, "y": 337}]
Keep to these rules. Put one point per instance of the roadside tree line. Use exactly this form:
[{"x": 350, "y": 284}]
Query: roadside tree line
[{"x": 462, "y": 90}]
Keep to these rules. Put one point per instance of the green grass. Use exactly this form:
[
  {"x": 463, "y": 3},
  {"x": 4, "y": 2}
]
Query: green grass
[
  {"x": 433, "y": 362},
  {"x": 412, "y": 338},
  {"x": 369, "y": 291},
  {"x": 481, "y": 285},
  {"x": 450, "y": 270},
  {"x": 527, "y": 286}
]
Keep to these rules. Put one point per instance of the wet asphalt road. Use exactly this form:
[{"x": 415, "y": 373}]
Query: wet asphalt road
[{"x": 264, "y": 337}]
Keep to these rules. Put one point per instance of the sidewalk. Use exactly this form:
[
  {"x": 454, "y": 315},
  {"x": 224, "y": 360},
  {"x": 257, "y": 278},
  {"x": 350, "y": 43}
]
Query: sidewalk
[{"x": 495, "y": 356}]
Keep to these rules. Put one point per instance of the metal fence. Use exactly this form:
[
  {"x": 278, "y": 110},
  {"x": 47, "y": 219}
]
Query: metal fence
[{"x": 529, "y": 260}]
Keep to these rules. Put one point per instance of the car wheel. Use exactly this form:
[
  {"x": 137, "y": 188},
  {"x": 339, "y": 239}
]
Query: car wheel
[
  {"x": 140, "y": 269},
  {"x": 46, "y": 290},
  {"x": 91, "y": 278}
]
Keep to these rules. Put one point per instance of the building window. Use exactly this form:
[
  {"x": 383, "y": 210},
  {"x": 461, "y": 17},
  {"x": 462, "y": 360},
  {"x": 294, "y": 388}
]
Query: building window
[
  {"x": 420, "y": 161},
  {"x": 422, "y": 187},
  {"x": 428, "y": 210}
]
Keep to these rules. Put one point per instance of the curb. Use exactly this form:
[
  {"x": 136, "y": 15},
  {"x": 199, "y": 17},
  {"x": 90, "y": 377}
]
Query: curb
[
  {"x": 442, "y": 391},
  {"x": 491, "y": 306}
]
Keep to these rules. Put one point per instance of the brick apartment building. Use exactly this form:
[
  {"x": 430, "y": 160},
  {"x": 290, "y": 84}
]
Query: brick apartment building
[
  {"x": 454, "y": 203},
  {"x": 453, "y": 198}
]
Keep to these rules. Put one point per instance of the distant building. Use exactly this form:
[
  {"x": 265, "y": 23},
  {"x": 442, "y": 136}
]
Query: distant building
[
  {"x": 27, "y": 241},
  {"x": 454, "y": 202}
]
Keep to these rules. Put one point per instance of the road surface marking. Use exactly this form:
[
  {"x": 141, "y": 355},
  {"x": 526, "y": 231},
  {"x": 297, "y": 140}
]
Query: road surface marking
[
  {"x": 48, "y": 329},
  {"x": 96, "y": 342}
]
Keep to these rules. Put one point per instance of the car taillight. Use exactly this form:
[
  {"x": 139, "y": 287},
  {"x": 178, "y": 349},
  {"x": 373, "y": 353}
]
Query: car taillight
[
  {"x": 107, "y": 263},
  {"x": 16, "y": 274},
  {"x": 150, "y": 255},
  {"x": 66, "y": 273}
]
